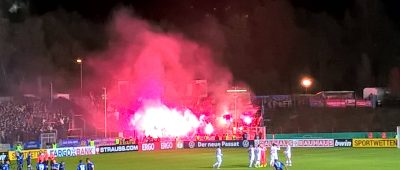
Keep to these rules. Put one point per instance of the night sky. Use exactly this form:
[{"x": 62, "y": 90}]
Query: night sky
[{"x": 269, "y": 44}]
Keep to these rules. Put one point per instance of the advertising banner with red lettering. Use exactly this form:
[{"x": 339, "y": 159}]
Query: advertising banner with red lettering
[
  {"x": 335, "y": 102},
  {"x": 153, "y": 146},
  {"x": 167, "y": 145},
  {"x": 304, "y": 143}
]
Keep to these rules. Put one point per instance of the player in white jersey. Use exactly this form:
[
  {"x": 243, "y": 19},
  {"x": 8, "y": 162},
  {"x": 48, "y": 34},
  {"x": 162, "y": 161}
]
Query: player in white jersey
[
  {"x": 288, "y": 154},
  {"x": 274, "y": 154},
  {"x": 251, "y": 156},
  {"x": 258, "y": 156},
  {"x": 218, "y": 154}
]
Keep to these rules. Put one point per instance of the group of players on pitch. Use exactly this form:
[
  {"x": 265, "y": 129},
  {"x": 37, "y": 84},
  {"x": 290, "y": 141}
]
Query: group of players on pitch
[
  {"x": 44, "y": 162},
  {"x": 257, "y": 157}
]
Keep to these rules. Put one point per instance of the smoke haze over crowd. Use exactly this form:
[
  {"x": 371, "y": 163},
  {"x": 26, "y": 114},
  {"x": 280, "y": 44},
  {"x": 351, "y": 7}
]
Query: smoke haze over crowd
[{"x": 159, "y": 67}]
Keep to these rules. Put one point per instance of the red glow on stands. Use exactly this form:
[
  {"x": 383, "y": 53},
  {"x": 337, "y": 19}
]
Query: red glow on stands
[
  {"x": 236, "y": 91},
  {"x": 157, "y": 120},
  {"x": 169, "y": 80},
  {"x": 209, "y": 129},
  {"x": 247, "y": 120},
  {"x": 222, "y": 121}
]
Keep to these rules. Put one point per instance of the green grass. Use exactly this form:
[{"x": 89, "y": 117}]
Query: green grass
[{"x": 236, "y": 159}]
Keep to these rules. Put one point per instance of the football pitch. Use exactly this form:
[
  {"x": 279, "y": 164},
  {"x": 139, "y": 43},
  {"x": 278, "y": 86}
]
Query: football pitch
[{"x": 237, "y": 159}]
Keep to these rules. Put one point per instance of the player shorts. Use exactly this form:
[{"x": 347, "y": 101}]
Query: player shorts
[
  {"x": 251, "y": 158},
  {"x": 288, "y": 156},
  {"x": 273, "y": 157},
  {"x": 219, "y": 158}
]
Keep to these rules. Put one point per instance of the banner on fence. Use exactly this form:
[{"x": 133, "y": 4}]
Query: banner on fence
[
  {"x": 72, "y": 151},
  {"x": 305, "y": 143},
  {"x": 4, "y": 147},
  {"x": 336, "y": 103},
  {"x": 70, "y": 143},
  {"x": 214, "y": 144},
  {"x": 117, "y": 148},
  {"x": 32, "y": 145},
  {"x": 363, "y": 103},
  {"x": 374, "y": 143},
  {"x": 104, "y": 142},
  {"x": 278, "y": 101},
  {"x": 35, "y": 153}
]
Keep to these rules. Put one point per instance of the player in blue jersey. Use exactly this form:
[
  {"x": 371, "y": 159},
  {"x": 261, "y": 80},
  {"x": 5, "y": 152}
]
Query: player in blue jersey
[
  {"x": 20, "y": 160},
  {"x": 40, "y": 166},
  {"x": 29, "y": 161},
  {"x": 62, "y": 165},
  {"x": 81, "y": 166},
  {"x": 279, "y": 165},
  {"x": 55, "y": 165},
  {"x": 89, "y": 164},
  {"x": 6, "y": 166}
]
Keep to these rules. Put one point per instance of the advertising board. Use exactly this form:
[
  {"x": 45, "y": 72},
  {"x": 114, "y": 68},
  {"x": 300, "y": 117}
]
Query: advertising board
[
  {"x": 70, "y": 143},
  {"x": 4, "y": 147},
  {"x": 118, "y": 148},
  {"x": 303, "y": 143},
  {"x": 374, "y": 143},
  {"x": 153, "y": 146},
  {"x": 32, "y": 145},
  {"x": 214, "y": 144},
  {"x": 343, "y": 143},
  {"x": 35, "y": 153},
  {"x": 72, "y": 151}
]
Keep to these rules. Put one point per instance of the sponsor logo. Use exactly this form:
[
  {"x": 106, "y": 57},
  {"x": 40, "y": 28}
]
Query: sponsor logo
[
  {"x": 315, "y": 143},
  {"x": 343, "y": 142},
  {"x": 35, "y": 153},
  {"x": 118, "y": 148},
  {"x": 148, "y": 147},
  {"x": 70, "y": 143},
  {"x": 374, "y": 143},
  {"x": 310, "y": 143},
  {"x": 245, "y": 143},
  {"x": 192, "y": 144},
  {"x": 179, "y": 145},
  {"x": 167, "y": 145},
  {"x": 230, "y": 144},
  {"x": 214, "y": 144},
  {"x": 208, "y": 144},
  {"x": 72, "y": 151},
  {"x": 32, "y": 145}
]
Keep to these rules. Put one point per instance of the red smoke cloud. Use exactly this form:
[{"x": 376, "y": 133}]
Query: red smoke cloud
[{"x": 159, "y": 66}]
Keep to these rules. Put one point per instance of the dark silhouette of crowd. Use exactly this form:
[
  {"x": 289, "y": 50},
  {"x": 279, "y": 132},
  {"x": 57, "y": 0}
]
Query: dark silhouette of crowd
[{"x": 26, "y": 120}]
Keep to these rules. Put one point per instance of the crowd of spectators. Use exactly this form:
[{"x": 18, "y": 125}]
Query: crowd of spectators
[{"x": 26, "y": 120}]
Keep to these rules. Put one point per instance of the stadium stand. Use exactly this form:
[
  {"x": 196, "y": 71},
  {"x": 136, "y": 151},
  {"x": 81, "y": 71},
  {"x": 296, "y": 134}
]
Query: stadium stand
[{"x": 24, "y": 120}]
